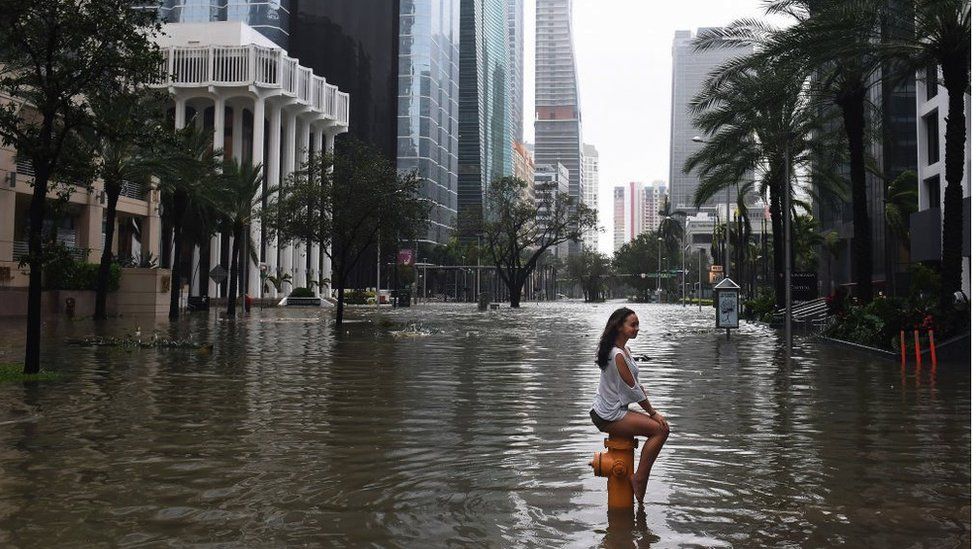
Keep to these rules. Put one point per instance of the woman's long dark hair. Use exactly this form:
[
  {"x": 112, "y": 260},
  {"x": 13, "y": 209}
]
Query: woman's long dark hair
[{"x": 610, "y": 335}]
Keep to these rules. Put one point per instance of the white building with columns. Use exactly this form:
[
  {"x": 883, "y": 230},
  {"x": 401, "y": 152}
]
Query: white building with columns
[{"x": 225, "y": 76}]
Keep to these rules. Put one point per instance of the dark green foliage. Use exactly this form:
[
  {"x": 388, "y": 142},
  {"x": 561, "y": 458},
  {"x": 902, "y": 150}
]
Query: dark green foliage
[
  {"x": 302, "y": 292},
  {"x": 760, "y": 307},
  {"x": 357, "y": 297},
  {"x": 878, "y": 323},
  {"x": 63, "y": 272}
]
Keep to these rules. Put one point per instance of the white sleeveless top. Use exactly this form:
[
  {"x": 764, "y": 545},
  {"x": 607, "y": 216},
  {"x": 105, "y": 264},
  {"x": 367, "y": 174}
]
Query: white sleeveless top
[{"x": 613, "y": 394}]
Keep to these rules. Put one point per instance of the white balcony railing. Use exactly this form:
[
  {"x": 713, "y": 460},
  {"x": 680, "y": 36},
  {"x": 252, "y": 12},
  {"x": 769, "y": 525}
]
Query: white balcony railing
[{"x": 198, "y": 66}]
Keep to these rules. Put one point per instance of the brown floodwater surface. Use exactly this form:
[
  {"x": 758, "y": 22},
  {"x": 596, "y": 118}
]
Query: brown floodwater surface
[{"x": 442, "y": 426}]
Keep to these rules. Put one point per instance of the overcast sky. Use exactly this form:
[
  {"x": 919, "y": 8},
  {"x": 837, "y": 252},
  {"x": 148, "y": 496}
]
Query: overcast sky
[{"x": 623, "y": 58}]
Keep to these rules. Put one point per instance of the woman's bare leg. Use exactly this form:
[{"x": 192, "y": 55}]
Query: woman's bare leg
[{"x": 636, "y": 424}]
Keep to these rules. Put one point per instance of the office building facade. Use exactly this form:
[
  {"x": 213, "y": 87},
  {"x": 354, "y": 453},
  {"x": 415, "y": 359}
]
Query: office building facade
[
  {"x": 558, "y": 121},
  {"x": 486, "y": 141},
  {"x": 428, "y": 106},
  {"x": 690, "y": 69}
]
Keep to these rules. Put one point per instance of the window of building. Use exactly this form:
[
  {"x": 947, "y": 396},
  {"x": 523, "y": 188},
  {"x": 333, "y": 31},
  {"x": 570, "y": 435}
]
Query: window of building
[
  {"x": 933, "y": 188},
  {"x": 931, "y": 81},
  {"x": 932, "y": 136}
]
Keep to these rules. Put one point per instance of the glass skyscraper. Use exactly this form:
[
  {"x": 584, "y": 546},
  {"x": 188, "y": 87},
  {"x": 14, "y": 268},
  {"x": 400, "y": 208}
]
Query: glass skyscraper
[
  {"x": 269, "y": 17},
  {"x": 486, "y": 142},
  {"x": 427, "y": 105}
]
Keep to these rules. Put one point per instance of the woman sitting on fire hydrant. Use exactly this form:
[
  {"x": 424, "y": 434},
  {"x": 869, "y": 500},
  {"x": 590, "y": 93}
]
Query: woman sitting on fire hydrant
[{"x": 619, "y": 386}]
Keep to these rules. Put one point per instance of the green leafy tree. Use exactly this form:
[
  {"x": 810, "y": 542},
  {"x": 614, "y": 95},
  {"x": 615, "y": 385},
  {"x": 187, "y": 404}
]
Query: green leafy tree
[
  {"x": 589, "y": 268},
  {"x": 57, "y": 56},
  {"x": 342, "y": 202},
  {"x": 671, "y": 228},
  {"x": 638, "y": 260},
  {"x": 517, "y": 232}
]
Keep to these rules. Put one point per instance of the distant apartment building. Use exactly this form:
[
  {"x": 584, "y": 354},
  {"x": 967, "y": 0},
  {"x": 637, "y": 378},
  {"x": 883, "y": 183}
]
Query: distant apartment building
[
  {"x": 932, "y": 103},
  {"x": 550, "y": 179},
  {"x": 652, "y": 201},
  {"x": 690, "y": 69},
  {"x": 590, "y": 191},
  {"x": 524, "y": 167},
  {"x": 627, "y": 221},
  {"x": 637, "y": 209}
]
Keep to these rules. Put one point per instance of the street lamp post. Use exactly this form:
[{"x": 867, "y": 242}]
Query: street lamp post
[
  {"x": 699, "y": 296},
  {"x": 659, "y": 243}
]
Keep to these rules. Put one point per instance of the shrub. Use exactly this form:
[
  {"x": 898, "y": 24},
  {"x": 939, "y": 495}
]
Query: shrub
[
  {"x": 358, "y": 297},
  {"x": 62, "y": 272},
  {"x": 302, "y": 292},
  {"x": 760, "y": 307}
]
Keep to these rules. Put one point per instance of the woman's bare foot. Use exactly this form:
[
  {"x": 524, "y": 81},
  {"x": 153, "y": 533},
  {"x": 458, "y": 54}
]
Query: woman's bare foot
[{"x": 635, "y": 484}]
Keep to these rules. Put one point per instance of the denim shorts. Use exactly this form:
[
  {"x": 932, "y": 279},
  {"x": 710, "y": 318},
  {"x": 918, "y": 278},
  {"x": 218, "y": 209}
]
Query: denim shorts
[{"x": 600, "y": 423}]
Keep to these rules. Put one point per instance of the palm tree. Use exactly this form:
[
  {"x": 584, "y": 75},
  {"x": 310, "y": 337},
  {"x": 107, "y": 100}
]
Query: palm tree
[
  {"x": 901, "y": 203},
  {"x": 759, "y": 120},
  {"x": 241, "y": 199},
  {"x": 833, "y": 41},
  {"x": 125, "y": 157},
  {"x": 833, "y": 245},
  {"x": 670, "y": 228},
  {"x": 194, "y": 166}
]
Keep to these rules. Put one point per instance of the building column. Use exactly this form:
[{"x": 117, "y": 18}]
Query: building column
[
  {"x": 287, "y": 167},
  {"x": 90, "y": 226},
  {"x": 237, "y": 132},
  {"x": 316, "y": 258},
  {"x": 272, "y": 179},
  {"x": 218, "y": 144},
  {"x": 328, "y": 144},
  {"x": 179, "y": 112},
  {"x": 8, "y": 213},
  {"x": 301, "y": 249},
  {"x": 257, "y": 157}
]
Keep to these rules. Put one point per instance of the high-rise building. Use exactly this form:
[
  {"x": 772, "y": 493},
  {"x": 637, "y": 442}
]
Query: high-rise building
[
  {"x": 516, "y": 62},
  {"x": 486, "y": 140},
  {"x": 427, "y": 105},
  {"x": 557, "y": 106},
  {"x": 652, "y": 198},
  {"x": 627, "y": 221},
  {"x": 269, "y": 17},
  {"x": 690, "y": 69},
  {"x": 356, "y": 44},
  {"x": 590, "y": 190}
]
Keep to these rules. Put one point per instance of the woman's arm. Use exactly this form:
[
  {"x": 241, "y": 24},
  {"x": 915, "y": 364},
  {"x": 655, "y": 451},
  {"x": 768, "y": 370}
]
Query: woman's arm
[{"x": 637, "y": 392}]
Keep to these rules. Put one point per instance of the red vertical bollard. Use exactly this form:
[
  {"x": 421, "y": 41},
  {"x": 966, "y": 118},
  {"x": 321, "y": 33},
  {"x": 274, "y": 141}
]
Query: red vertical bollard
[
  {"x": 903, "y": 349},
  {"x": 932, "y": 347},
  {"x": 918, "y": 352}
]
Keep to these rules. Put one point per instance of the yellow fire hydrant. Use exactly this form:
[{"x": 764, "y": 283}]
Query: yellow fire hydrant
[{"x": 617, "y": 464}]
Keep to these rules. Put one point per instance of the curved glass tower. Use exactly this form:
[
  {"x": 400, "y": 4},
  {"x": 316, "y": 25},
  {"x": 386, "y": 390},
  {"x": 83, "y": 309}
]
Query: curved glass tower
[{"x": 269, "y": 17}]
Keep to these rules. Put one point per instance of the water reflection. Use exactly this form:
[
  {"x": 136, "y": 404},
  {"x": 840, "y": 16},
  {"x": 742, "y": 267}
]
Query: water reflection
[{"x": 471, "y": 428}]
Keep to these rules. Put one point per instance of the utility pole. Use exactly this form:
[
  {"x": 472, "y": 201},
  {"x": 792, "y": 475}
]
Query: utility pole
[{"x": 787, "y": 255}]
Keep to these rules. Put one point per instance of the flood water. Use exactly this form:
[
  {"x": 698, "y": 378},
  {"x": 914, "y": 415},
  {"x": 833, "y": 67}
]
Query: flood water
[{"x": 442, "y": 426}]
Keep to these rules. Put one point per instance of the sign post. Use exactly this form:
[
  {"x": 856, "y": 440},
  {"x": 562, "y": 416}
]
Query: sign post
[{"x": 727, "y": 306}]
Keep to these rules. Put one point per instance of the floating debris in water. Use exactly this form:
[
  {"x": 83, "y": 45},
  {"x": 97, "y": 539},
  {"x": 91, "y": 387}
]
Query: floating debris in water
[
  {"x": 412, "y": 331},
  {"x": 137, "y": 342}
]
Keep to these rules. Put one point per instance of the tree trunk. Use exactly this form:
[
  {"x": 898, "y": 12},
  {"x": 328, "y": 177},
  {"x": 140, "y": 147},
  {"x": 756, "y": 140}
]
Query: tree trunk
[
  {"x": 101, "y": 284},
  {"x": 235, "y": 252},
  {"x": 515, "y": 284},
  {"x": 340, "y": 288},
  {"x": 776, "y": 220},
  {"x": 955, "y": 74},
  {"x": 852, "y": 107},
  {"x": 32, "y": 353}
]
